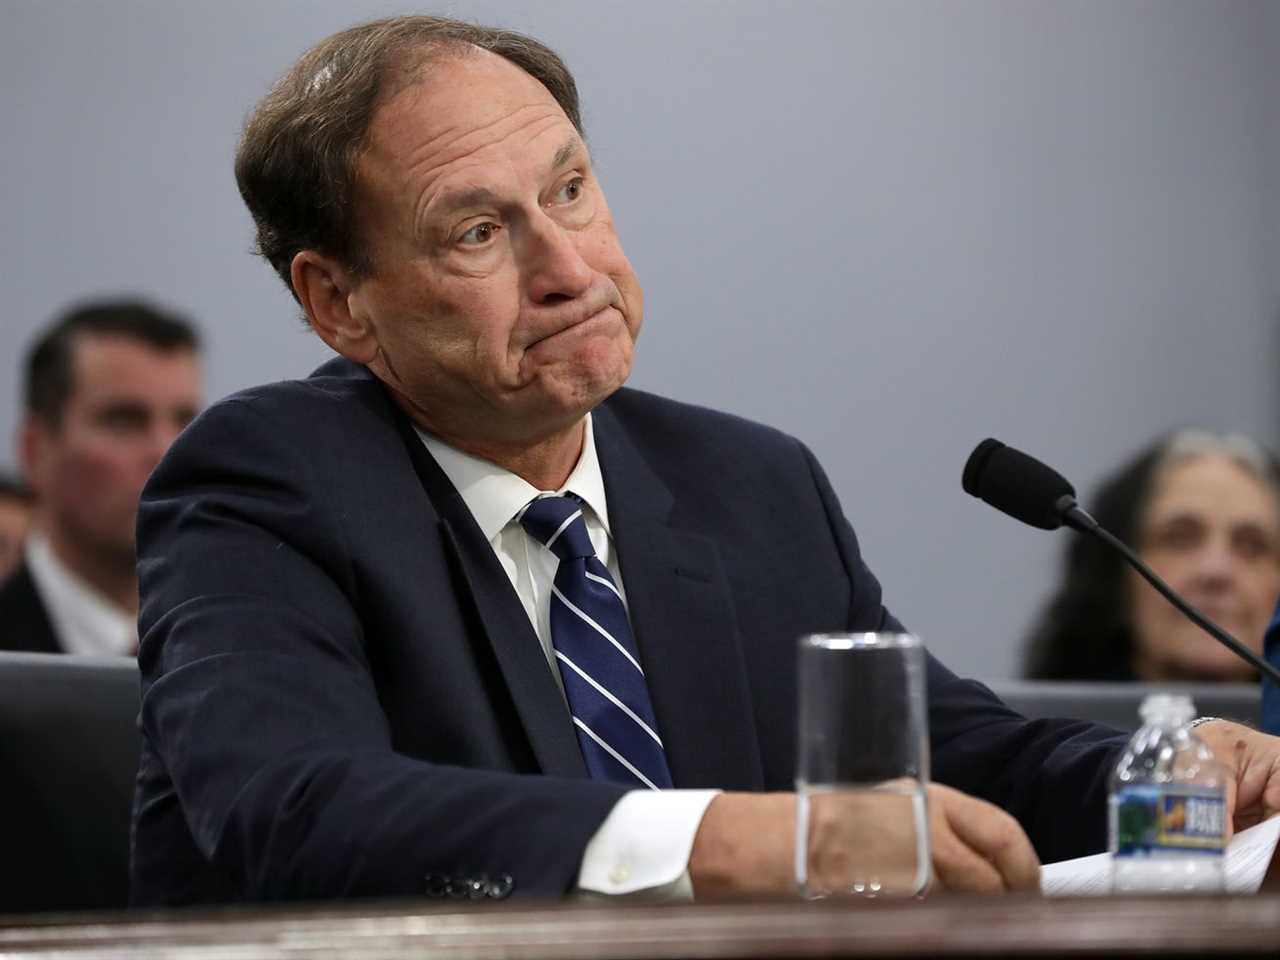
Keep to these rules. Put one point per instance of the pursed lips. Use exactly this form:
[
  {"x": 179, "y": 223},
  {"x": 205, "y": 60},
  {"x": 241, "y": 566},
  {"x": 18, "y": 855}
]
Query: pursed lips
[{"x": 570, "y": 323}]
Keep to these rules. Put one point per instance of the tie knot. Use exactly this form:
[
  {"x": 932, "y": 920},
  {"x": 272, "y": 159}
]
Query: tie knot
[{"x": 556, "y": 522}]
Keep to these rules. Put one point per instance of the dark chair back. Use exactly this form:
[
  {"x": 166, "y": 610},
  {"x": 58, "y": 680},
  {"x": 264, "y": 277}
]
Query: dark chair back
[
  {"x": 1116, "y": 704},
  {"x": 68, "y": 757}
]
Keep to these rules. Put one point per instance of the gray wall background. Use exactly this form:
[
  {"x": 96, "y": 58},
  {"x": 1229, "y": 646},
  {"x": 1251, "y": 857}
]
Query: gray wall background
[{"x": 892, "y": 228}]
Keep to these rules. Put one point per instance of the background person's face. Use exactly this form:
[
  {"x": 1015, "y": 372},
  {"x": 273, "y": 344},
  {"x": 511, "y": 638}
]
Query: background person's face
[
  {"x": 128, "y": 402},
  {"x": 502, "y": 303},
  {"x": 1212, "y": 530}
]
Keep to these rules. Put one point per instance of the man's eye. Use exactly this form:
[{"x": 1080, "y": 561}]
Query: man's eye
[
  {"x": 481, "y": 233},
  {"x": 183, "y": 416},
  {"x": 570, "y": 192},
  {"x": 123, "y": 419}
]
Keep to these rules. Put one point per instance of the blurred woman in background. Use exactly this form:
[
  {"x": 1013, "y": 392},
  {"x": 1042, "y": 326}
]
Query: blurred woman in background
[{"x": 1204, "y": 513}]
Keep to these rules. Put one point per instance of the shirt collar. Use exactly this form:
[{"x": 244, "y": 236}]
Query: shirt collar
[
  {"x": 495, "y": 495},
  {"x": 85, "y": 620}
]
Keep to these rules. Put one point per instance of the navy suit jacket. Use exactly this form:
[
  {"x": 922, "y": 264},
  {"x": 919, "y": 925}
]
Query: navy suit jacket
[{"x": 343, "y": 696}]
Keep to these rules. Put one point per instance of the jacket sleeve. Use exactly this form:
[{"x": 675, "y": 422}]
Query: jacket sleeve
[
  {"x": 259, "y": 702},
  {"x": 1052, "y": 775}
]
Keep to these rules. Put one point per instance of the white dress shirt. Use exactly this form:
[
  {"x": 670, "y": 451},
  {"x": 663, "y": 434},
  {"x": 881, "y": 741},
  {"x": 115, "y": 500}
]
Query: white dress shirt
[
  {"x": 85, "y": 621},
  {"x": 644, "y": 843}
]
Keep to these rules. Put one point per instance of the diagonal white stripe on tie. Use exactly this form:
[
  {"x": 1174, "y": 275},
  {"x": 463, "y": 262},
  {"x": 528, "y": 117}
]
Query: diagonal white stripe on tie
[
  {"x": 609, "y": 696},
  {"x": 599, "y": 629},
  {"x": 603, "y": 582},
  {"x": 614, "y": 753},
  {"x": 561, "y": 529}
]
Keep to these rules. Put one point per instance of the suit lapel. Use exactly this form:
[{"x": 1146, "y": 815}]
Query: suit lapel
[
  {"x": 494, "y": 602},
  {"x": 682, "y": 614},
  {"x": 24, "y": 622}
]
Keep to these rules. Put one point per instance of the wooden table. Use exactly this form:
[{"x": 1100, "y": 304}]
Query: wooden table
[{"x": 937, "y": 927}]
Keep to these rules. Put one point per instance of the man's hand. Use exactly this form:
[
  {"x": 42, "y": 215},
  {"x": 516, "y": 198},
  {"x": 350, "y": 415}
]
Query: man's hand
[
  {"x": 746, "y": 843},
  {"x": 977, "y": 847},
  {"x": 1253, "y": 760}
]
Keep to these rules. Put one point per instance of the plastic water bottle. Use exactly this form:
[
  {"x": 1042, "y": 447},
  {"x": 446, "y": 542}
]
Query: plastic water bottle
[{"x": 1167, "y": 815}]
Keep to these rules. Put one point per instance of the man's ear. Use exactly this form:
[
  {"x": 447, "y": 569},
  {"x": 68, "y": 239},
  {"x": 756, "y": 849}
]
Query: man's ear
[{"x": 322, "y": 285}]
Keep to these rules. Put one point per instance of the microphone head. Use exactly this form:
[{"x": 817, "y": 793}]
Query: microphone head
[{"x": 1017, "y": 484}]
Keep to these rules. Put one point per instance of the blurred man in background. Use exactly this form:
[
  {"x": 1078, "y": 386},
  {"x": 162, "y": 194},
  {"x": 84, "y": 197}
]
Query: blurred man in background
[
  {"x": 108, "y": 386},
  {"x": 15, "y": 520}
]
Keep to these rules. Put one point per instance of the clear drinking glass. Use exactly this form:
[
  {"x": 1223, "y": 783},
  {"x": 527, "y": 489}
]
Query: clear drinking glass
[{"x": 862, "y": 765}]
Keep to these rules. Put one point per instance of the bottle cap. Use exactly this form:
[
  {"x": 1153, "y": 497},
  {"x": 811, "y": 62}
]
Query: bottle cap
[{"x": 1167, "y": 709}]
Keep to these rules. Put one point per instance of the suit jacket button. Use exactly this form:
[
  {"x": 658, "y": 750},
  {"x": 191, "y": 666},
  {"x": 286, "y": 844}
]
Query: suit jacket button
[
  {"x": 500, "y": 887},
  {"x": 476, "y": 887},
  {"x": 457, "y": 887}
]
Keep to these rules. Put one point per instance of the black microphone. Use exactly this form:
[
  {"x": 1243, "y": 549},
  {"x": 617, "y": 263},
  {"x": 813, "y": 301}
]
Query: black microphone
[{"x": 1028, "y": 490}]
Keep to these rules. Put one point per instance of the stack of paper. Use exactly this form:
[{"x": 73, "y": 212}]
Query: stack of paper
[{"x": 1248, "y": 856}]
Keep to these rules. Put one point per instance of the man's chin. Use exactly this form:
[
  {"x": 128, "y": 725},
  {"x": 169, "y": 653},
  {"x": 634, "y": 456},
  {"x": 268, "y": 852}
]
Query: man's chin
[
  {"x": 581, "y": 394},
  {"x": 559, "y": 405}
]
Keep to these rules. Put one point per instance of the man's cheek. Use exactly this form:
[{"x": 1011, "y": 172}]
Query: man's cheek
[{"x": 101, "y": 476}]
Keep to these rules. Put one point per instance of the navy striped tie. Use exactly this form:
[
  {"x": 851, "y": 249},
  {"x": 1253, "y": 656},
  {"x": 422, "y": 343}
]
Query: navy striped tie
[{"x": 596, "y": 653}]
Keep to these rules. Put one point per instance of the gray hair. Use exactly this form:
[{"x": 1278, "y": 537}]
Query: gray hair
[{"x": 1236, "y": 447}]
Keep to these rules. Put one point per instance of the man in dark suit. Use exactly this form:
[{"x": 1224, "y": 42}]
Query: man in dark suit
[
  {"x": 108, "y": 386},
  {"x": 438, "y": 619}
]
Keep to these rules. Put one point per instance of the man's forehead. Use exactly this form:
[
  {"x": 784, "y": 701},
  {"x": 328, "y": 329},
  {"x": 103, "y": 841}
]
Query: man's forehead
[
  {"x": 94, "y": 346},
  {"x": 110, "y": 362},
  {"x": 464, "y": 97}
]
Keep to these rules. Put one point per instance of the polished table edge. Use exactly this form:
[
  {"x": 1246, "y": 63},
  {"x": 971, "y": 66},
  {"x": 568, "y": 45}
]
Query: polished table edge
[{"x": 942, "y": 926}]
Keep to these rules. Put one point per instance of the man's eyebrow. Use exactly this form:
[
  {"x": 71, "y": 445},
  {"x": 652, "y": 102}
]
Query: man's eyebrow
[
  {"x": 122, "y": 407},
  {"x": 566, "y": 153},
  {"x": 452, "y": 200}
]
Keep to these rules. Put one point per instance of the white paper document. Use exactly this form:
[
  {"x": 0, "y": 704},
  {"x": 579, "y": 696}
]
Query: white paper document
[{"x": 1247, "y": 857}]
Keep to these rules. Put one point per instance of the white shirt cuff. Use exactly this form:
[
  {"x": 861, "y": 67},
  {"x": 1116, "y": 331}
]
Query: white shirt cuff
[{"x": 644, "y": 844}]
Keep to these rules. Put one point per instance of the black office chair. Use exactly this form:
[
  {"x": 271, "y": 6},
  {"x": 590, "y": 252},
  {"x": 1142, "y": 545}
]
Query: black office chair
[{"x": 68, "y": 756}]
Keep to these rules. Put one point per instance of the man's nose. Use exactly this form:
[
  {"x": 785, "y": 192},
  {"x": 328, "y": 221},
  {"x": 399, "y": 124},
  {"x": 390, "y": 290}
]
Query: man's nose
[{"x": 556, "y": 268}]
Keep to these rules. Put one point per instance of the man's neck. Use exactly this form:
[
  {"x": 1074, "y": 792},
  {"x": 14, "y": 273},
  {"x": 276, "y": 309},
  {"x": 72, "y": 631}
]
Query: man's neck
[
  {"x": 110, "y": 576},
  {"x": 544, "y": 463}
]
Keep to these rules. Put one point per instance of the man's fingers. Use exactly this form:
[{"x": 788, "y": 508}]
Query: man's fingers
[
  {"x": 957, "y": 869},
  {"x": 993, "y": 836},
  {"x": 1253, "y": 759}
]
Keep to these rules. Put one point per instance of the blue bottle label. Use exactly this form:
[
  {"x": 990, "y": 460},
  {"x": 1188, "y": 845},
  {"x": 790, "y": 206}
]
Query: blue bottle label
[{"x": 1164, "y": 818}]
